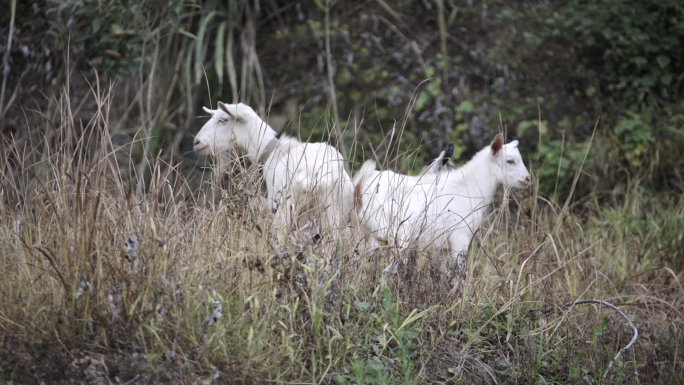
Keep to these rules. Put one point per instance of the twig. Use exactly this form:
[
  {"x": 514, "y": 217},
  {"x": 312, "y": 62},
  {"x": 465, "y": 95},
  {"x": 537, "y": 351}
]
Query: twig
[
  {"x": 331, "y": 86},
  {"x": 36, "y": 130},
  {"x": 21, "y": 140},
  {"x": 574, "y": 182},
  {"x": 636, "y": 331},
  {"x": 150, "y": 123},
  {"x": 14, "y": 94},
  {"x": 275, "y": 13},
  {"x": 442, "y": 36},
  {"x": 62, "y": 343},
  {"x": 5, "y": 59},
  {"x": 414, "y": 45},
  {"x": 396, "y": 16}
]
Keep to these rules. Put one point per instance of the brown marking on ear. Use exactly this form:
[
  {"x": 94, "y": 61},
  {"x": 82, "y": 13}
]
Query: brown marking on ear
[
  {"x": 497, "y": 143},
  {"x": 224, "y": 109}
]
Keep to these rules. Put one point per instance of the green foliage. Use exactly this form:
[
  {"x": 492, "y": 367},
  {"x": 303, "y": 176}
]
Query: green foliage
[
  {"x": 109, "y": 33},
  {"x": 636, "y": 45},
  {"x": 634, "y": 135},
  {"x": 464, "y": 108},
  {"x": 394, "y": 340},
  {"x": 655, "y": 221},
  {"x": 619, "y": 61},
  {"x": 559, "y": 164}
]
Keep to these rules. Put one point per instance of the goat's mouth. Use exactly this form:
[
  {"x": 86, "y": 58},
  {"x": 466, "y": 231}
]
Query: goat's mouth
[
  {"x": 523, "y": 183},
  {"x": 204, "y": 150}
]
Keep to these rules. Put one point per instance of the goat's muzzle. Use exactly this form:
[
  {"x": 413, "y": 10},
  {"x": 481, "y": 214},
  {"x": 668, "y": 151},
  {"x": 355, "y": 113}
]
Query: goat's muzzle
[
  {"x": 200, "y": 148},
  {"x": 524, "y": 182}
]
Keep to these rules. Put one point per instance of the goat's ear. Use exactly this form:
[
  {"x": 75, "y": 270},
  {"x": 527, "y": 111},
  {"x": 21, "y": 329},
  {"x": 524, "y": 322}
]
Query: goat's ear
[
  {"x": 513, "y": 144},
  {"x": 208, "y": 111},
  {"x": 448, "y": 153},
  {"x": 224, "y": 108},
  {"x": 434, "y": 166},
  {"x": 497, "y": 143}
]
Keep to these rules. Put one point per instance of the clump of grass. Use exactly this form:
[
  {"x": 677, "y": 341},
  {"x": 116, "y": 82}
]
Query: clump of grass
[{"x": 191, "y": 284}]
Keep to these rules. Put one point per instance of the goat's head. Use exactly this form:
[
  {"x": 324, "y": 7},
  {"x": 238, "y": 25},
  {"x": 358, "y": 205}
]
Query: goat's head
[
  {"x": 509, "y": 169},
  {"x": 232, "y": 125}
]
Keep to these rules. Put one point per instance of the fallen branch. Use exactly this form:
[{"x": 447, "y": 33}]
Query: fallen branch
[{"x": 636, "y": 331}]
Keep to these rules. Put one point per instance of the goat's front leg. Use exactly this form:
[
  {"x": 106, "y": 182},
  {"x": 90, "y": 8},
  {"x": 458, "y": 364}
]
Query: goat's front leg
[
  {"x": 282, "y": 205},
  {"x": 457, "y": 264},
  {"x": 391, "y": 269}
]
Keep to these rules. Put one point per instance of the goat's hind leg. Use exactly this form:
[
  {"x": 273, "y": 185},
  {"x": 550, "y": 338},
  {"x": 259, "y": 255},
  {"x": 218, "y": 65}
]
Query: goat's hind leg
[
  {"x": 458, "y": 257},
  {"x": 391, "y": 269}
]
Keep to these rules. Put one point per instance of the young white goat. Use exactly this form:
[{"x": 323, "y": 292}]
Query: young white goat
[
  {"x": 440, "y": 209},
  {"x": 305, "y": 181}
]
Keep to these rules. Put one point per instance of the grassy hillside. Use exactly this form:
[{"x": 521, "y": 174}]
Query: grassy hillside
[
  {"x": 127, "y": 258},
  {"x": 191, "y": 285}
]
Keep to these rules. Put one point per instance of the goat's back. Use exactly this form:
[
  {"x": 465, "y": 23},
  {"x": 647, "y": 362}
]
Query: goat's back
[{"x": 314, "y": 174}]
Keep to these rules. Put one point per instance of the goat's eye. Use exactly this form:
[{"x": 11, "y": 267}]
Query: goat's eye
[
  {"x": 222, "y": 121},
  {"x": 511, "y": 162}
]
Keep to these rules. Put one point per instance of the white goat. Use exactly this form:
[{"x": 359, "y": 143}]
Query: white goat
[
  {"x": 440, "y": 209},
  {"x": 305, "y": 181}
]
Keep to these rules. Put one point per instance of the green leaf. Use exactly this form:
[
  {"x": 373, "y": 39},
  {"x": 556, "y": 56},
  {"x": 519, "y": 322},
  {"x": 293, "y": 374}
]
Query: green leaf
[
  {"x": 97, "y": 23},
  {"x": 63, "y": 5},
  {"x": 433, "y": 88},
  {"x": 413, "y": 317},
  {"x": 640, "y": 61},
  {"x": 188, "y": 34},
  {"x": 590, "y": 91},
  {"x": 201, "y": 34},
  {"x": 666, "y": 79},
  {"x": 174, "y": 18},
  {"x": 320, "y": 5},
  {"x": 663, "y": 61},
  {"x": 465, "y": 107},
  {"x": 648, "y": 81},
  {"x": 421, "y": 101},
  {"x": 116, "y": 29},
  {"x": 430, "y": 71},
  {"x": 218, "y": 52}
]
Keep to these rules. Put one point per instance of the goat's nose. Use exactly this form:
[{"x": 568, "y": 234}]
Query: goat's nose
[
  {"x": 197, "y": 142},
  {"x": 527, "y": 178}
]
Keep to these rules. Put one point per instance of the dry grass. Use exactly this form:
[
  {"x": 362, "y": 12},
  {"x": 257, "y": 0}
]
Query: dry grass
[{"x": 189, "y": 286}]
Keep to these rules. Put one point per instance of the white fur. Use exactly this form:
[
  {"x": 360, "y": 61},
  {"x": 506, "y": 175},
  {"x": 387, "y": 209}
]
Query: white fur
[
  {"x": 304, "y": 181},
  {"x": 438, "y": 209}
]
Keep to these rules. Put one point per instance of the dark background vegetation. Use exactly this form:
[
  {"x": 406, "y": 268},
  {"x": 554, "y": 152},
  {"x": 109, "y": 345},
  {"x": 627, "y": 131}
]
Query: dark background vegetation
[
  {"x": 572, "y": 63},
  {"x": 548, "y": 73}
]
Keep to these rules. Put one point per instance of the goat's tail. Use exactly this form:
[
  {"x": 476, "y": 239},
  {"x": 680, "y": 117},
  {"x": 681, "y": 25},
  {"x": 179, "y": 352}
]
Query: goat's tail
[{"x": 360, "y": 178}]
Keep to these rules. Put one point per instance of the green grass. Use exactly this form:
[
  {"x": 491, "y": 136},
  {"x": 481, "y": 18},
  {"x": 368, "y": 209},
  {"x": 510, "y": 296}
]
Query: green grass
[{"x": 77, "y": 306}]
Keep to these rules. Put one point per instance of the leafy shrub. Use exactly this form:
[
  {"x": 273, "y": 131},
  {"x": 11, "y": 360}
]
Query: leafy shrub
[
  {"x": 633, "y": 47},
  {"x": 619, "y": 61},
  {"x": 112, "y": 34}
]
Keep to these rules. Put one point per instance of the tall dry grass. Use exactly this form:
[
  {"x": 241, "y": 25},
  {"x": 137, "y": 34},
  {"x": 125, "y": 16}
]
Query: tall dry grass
[{"x": 190, "y": 285}]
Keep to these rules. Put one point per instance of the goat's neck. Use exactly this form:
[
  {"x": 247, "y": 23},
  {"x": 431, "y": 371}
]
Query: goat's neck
[
  {"x": 263, "y": 135},
  {"x": 478, "y": 177}
]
